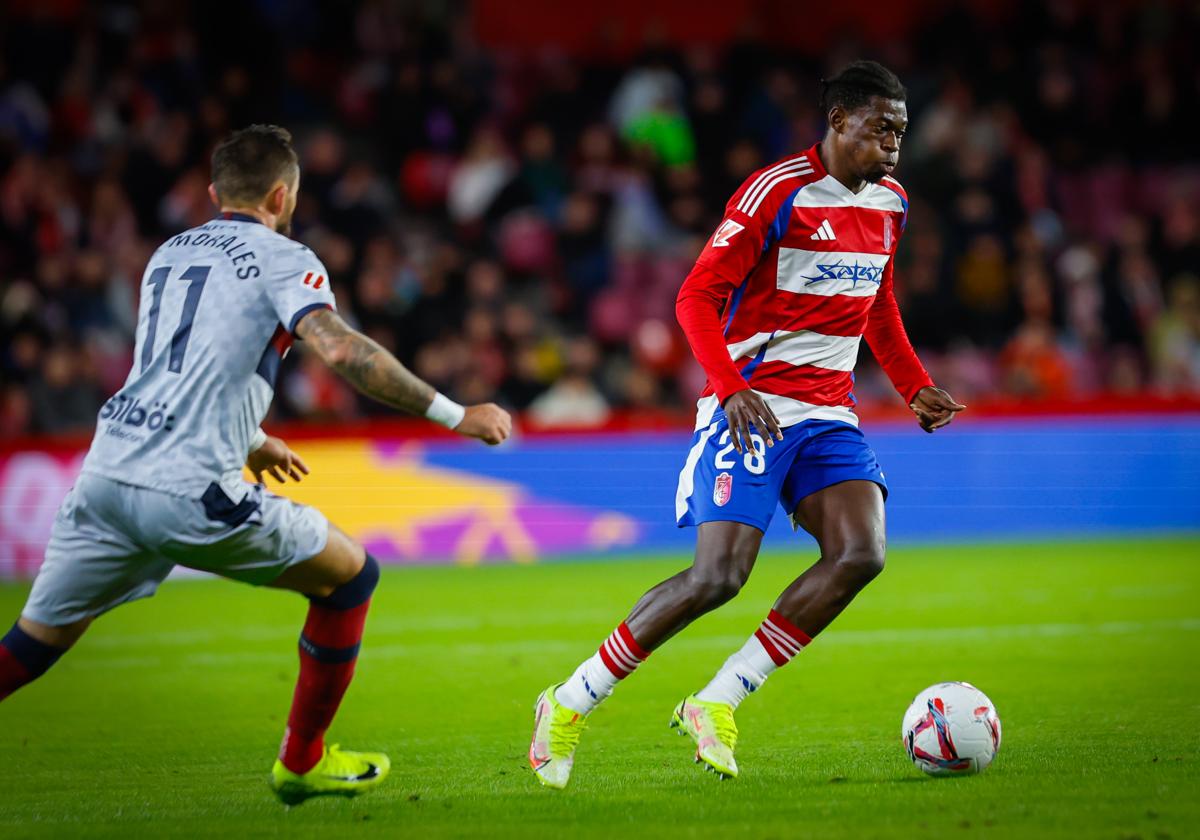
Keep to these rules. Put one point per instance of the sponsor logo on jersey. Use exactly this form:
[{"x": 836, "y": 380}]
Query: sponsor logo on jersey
[
  {"x": 852, "y": 273},
  {"x": 313, "y": 279},
  {"x": 839, "y": 270},
  {"x": 133, "y": 412},
  {"x": 722, "y": 489},
  {"x": 728, "y": 229}
]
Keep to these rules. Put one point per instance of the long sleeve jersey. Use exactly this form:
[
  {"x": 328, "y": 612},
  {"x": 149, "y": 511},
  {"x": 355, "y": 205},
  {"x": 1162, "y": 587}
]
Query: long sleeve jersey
[{"x": 794, "y": 277}]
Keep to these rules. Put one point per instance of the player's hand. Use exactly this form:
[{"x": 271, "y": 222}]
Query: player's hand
[
  {"x": 276, "y": 460},
  {"x": 747, "y": 412},
  {"x": 488, "y": 422},
  {"x": 934, "y": 408}
]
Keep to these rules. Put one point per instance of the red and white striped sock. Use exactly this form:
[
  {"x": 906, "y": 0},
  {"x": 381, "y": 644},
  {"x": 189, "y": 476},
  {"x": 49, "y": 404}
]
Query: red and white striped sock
[
  {"x": 596, "y": 678},
  {"x": 781, "y": 639},
  {"x": 773, "y": 644}
]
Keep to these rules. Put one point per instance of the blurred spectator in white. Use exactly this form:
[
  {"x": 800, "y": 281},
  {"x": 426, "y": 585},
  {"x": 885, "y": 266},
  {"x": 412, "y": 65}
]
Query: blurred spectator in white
[
  {"x": 484, "y": 171},
  {"x": 573, "y": 400}
]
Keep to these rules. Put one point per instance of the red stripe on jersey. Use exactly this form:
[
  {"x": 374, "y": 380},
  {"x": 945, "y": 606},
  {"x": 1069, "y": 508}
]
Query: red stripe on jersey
[
  {"x": 281, "y": 340},
  {"x": 894, "y": 185},
  {"x": 856, "y": 229},
  {"x": 840, "y": 315},
  {"x": 806, "y": 383},
  {"x": 769, "y": 309}
]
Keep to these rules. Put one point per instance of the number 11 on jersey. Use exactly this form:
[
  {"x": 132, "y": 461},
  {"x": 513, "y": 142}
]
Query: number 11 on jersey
[{"x": 196, "y": 276}]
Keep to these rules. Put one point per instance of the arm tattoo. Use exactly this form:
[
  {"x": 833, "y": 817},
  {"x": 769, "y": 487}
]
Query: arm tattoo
[{"x": 363, "y": 363}]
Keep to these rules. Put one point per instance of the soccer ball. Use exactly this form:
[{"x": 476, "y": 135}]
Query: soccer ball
[{"x": 951, "y": 729}]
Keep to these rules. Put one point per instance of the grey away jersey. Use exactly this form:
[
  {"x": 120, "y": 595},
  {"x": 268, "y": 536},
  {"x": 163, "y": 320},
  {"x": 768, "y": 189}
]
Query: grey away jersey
[{"x": 219, "y": 304}]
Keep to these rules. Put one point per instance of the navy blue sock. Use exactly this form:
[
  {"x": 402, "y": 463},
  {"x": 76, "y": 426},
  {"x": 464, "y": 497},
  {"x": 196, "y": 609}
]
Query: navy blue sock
[{"x": 23, "y": 659}]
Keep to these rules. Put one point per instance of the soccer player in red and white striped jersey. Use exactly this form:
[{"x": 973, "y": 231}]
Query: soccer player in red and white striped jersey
[{"x": 799, "y": 271}]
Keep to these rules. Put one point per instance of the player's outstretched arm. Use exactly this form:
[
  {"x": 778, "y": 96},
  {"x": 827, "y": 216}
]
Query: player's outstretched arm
[{"x": 378, "y": 374}]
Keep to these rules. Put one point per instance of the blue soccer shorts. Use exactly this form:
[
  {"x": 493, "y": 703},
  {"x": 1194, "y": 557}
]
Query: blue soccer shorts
[{"x": 717, "y": 484}]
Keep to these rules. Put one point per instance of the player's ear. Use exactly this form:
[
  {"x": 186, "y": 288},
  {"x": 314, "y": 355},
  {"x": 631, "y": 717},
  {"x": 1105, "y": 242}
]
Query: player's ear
[
  {"x": 212, "y": 195},
  {"x": 276, "y": 200},
  {"x": 837, "y": 118}
]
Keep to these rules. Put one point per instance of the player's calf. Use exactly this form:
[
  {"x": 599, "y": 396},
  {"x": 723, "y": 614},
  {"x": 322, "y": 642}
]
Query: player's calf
[
  {"x": 329, "y": 645},
  {"x": 30, "y": 649},
  {"x": 725, "y": 555},
  {"x": 818, "y": 596}
]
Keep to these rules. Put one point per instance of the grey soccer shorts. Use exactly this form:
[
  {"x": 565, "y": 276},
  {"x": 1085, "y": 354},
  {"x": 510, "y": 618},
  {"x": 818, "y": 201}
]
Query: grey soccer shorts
[{"x": 112, "y": 543}]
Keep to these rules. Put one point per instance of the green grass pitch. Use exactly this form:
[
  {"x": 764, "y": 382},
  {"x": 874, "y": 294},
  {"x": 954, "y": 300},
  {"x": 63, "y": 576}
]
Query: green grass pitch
[{"x": 165, "y": 720}]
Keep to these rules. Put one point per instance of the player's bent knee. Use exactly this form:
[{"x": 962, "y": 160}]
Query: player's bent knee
[
  {"x": 344, "y": 553},
  {"x": 860, "y": 564},
  {"x": 710, "y": 593},
  {"x": 354, "y": 592}
]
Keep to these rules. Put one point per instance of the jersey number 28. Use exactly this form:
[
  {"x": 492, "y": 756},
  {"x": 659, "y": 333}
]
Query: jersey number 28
[
  {"x": 196, "y": 276},
  {"x": 755, "y": 458}
]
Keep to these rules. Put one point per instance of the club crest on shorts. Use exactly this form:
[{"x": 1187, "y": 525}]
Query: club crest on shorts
[{"x": 722, "y": 489}]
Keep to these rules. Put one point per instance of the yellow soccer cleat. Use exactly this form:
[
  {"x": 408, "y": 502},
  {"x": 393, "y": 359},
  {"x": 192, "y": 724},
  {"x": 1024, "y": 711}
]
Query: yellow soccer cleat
[
  {"x": 556, "y": 731},
  {"x": 711, "y": 726},
  {"x": 338, "y": 773}
]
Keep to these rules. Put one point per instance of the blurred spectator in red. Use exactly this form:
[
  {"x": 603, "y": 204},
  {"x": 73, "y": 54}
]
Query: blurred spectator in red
[{"x": 1032, "y": 365}]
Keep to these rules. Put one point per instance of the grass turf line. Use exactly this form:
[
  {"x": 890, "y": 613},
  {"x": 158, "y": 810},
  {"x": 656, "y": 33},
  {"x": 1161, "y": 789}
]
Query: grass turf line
[{"x": 165, "y": 720}]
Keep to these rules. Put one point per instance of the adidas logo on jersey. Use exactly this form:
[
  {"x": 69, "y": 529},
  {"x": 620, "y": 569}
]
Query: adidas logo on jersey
[{"x": 824, "y": 231}]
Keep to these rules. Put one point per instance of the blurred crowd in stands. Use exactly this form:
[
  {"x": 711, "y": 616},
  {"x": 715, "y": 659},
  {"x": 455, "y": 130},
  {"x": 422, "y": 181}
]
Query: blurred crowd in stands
[{"x": 516, "y": 227}]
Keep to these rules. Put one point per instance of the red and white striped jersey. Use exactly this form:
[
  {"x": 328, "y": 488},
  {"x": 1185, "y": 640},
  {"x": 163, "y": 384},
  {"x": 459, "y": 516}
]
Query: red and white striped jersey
[{"x": 797, "y": 273}]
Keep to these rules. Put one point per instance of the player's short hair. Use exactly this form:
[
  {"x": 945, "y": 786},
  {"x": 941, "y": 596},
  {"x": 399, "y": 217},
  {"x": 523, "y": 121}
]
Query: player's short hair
[
  {"x": 857, "y": 83},
  {"x": 249, "y": 162}
]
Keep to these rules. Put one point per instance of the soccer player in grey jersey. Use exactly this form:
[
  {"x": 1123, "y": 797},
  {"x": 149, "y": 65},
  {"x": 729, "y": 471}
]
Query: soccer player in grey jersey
[{"x": 162, "y": 482}]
